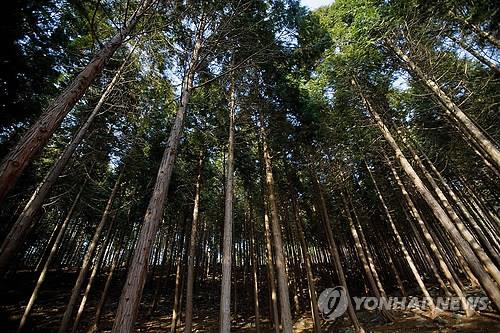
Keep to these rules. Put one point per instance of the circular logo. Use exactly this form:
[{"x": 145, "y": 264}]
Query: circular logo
[{"x": 332, "y": 303}]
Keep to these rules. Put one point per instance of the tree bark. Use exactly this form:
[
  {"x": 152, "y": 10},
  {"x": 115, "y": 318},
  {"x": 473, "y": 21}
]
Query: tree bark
[
  {"x": 192, "y": 249},
  {"x": 38, "y": 135},
  {"x": 482, "y": 275},
  {"x": 52, "y": 254},
  {"x": 136, "y": 277},
  {"x": 465, "y": 123},
  {"x": 227, "y": 243},
  {"x": 476, "y": 54},
  {"x": 336, "y": 257},
  {"x": 482, "y": 34},
  {"x": 299, "y": 230},
  {"x": 21, "y": 227},
  {"x": 75, "y": 293},
  {"x": 286, "y": 314}
]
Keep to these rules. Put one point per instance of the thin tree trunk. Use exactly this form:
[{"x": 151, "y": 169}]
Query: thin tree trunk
[
  {"x": 480, "y": 205},
  {"x": 270, "y": 269},
  {"x": 40, "y": 132},
  {"x": 97, "y": 263},
  {"x": 254, "y": 263},
  {"x": 476, "y": 247},
  {"x": 483, "y": 34},
  {"x": 366, "y": 259},
  {"x": 136, "y": 277},
  {"x": 407, "y": 256},
  {"x": 181, "y": 298},
  {"x": 490, "y": 229},
  {"x": 476, "y": 54},
  {"x": 299, "y": 230},
  {"x": 458, "y": 222},
  {"x": 295, "y": 272},
  {"x": 192, "y": 249},
  {"x": 286, "y": 314},
  {"x": 46, "y": 251},
  {"x": 450, "y": 107},
  {"x": 427, "y": 258},
  {"x": 52, "y": 254},
  {"x": 97, "y": 318},
  {"x": 473, "y": 221},
  {"x": 160, "y": 284},
  {"x": 75, "y": 293},
  {"x": 177, "y": 292},
  {"x": 460, "y": 259},
  {"x": 336, "y": 257},
  {"x": 399, "y": 281},
  {"x": 21, "y": 227},
  {"x": 469, "y": 311},
  {"x": 227, "y": 243},
  {"x": 484, "y": 278},
  {"x": 369, "y": 257}
]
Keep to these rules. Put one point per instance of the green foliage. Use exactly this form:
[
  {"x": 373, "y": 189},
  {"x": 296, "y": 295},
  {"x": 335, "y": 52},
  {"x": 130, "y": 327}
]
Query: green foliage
[{"x": 290, "y": 66}]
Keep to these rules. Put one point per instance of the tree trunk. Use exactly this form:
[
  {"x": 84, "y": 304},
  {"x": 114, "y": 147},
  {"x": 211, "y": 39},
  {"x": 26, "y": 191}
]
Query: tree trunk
[
  {"x": 465, "y": 123},
  {"x": 396, "y": 273},
  {"x": 21, "y": 227},
  {"x": 52, "y": 254},
  {"x": 46, "y": 251},
  {"x": 469, "y": 311},
  {"x": 480, "y": 205},
  {"x": 270, "y": 270},
  {"x": 97, "y": 318},
  {"x": 93, "y": 274},
  {"x": 192, "y": 249},
  {"x": 165, "y": 273},
  {"x": 299, "y": 230},
  {"x": 482, "y": 275},
  {"x": 181, "y": 298},
  {"x": 227, "y": 243},
  {"x": 254, "y": 263},
  {"x": 476, "y": 54},
  {"x": 40, "y": 132},
  {"x": 336, "y": 257},
  {"x": 483, "y": 34},
  {"x": 366, "y": 260},
  {"x": 481, "y": 254},
  {"x": 407, "y": 256},
  {"x": 468, "y": 213},
  {"x": 177, "y": 292},
  {"x": 427, "y": 258},
  {"x": 87, "y": 260},
  {"x": 136, "y": 277},
  {"x": 286, "y": 314}
]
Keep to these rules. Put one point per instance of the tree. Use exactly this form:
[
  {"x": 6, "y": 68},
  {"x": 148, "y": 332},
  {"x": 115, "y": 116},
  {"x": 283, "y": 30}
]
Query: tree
[
  {"x": 227, "y": 243},
  {"x": 292, "y": 150},
  {"x": 40, "y": 132}
]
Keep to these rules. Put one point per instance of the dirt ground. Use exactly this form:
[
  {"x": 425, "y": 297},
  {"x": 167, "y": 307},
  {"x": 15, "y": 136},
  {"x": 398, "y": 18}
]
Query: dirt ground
[{"x": 51, "y": 303}]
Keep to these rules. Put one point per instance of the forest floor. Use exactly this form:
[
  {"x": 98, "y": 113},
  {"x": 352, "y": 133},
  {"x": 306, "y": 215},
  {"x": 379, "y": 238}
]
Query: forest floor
[{"x": 51, "y": 304}]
